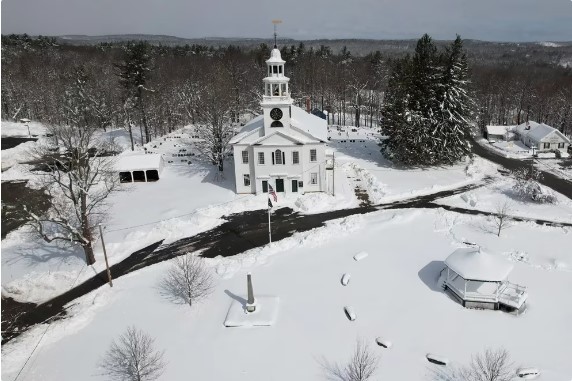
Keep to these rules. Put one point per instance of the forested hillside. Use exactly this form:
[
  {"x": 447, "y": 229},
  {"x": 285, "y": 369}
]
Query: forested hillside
[{"x": 347, "y": 77}]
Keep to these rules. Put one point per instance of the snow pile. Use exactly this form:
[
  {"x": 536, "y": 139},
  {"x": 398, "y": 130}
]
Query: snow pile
[
  {"x": 322, "y": 202},
  {"x": 375, "y": 189},
  {"x": 37, "y": 287},
  {"x": 478, "y": 168},
  {"x": 17, "y": 155},
  {"x": 226, "y": 267}
]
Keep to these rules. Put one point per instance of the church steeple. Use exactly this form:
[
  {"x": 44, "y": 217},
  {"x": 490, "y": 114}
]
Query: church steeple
[{"x": 276, "y": 101}]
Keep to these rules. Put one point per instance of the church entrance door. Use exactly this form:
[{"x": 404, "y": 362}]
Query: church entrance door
[{"x": 279, "y": 185}]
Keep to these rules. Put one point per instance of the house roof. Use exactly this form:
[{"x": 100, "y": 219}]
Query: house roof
[
  {"x": 538, "y": 131},
  {"x": 137, "y": 162},
  {"x": 497, "y": 130},
  {"x": 473, "y": 264}
]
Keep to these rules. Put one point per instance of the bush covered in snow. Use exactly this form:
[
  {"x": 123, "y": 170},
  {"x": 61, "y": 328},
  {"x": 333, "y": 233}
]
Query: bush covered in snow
[{"x": 527, "y": 186}]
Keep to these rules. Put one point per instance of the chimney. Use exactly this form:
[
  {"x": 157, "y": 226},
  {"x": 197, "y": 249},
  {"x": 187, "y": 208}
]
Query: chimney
[{"x": 308, "y": 105}]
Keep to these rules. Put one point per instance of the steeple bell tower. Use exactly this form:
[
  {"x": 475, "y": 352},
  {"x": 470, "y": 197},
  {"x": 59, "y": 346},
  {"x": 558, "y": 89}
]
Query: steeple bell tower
[{"x": 276, "y": 103}]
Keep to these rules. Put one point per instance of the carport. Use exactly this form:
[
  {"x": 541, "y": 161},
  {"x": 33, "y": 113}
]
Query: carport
[{"x": 139, "y": 168}]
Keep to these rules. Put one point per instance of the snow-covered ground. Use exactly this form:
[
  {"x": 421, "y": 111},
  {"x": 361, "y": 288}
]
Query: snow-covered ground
[
  {"x": 386, "y": 182},
  {"x": 393, "y": 292},
  {"x": 493, "y": 196}
]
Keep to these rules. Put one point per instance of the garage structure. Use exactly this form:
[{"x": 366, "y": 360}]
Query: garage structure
[{"x": 139, "y": 168}]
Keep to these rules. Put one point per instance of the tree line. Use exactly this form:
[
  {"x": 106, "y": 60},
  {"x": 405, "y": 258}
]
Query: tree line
[{"x": 180, "y": 81}]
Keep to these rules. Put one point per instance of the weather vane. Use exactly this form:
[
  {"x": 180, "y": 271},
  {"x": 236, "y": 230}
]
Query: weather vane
[{"x": 275, "y": 22}]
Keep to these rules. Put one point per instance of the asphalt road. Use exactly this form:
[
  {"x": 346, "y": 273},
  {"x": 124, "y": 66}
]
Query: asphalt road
[{"x": 559, "y": 184}]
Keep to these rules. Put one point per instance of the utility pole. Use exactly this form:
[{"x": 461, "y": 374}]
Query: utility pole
[
  {"x": 333, "y": 174},
  {"x": 105, "y": 256}
]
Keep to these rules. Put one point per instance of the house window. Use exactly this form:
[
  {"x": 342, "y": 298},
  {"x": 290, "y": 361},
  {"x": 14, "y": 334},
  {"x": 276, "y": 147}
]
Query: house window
[
  {"x": 278, "y": 156},
  {"x": 313, "y": 178},
  {"x": 244, "y": 157},
  {"x": 546, "y": 145},
  {"x": 295, "y": 157},
  {"x": 313, "y": 155},
  {"x": 261, "y": 158},
  {"x": 246, "y": 180},
  {"x": 560, "y": 145}
]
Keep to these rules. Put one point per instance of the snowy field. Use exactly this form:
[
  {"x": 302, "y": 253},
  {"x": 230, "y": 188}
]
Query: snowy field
[
  {"x": 192, "y": 198},
  {"x": 393, "y": 292}
]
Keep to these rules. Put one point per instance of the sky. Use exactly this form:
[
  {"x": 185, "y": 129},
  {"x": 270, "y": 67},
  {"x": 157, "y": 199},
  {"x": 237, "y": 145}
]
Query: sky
[{"x": 492, "y": 20}]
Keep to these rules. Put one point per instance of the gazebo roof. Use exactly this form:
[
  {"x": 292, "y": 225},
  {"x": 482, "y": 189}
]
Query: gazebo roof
[{"x": 473, "y": 264}]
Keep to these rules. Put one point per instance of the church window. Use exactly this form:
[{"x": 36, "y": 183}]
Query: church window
[
  {"x": 313, "y": 155},
  {"x": 276, "y": 124},
  {"x": 314, "y": 178},
  {"x": 278, "y": 157},
  {"x": 244, "y": 157},
  {"x": 295, "y": 157},
  {"x": 275, "y": 69},
  {"x": 280, "y": 69},
  {"x": 246, "y": 180},
  {"x": 261, "y": 158}
]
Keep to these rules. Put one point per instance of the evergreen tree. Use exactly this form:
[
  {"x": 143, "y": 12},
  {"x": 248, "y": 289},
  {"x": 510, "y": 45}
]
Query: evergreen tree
[
  {"x": 456, "y": 105},
  {"x": 133, "y": 75},
  {"x": 428, "y": 107}
]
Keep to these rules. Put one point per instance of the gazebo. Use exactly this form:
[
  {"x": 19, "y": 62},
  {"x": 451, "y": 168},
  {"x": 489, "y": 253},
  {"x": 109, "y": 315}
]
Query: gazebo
[{"x": 480, "y": 280}]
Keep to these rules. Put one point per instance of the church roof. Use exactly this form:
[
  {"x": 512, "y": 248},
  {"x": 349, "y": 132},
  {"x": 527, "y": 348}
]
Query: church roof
[
  {"x": 275, "y": 57},
  {"x": 306, "y": 128},
  {"x": 312, "y": 124}
]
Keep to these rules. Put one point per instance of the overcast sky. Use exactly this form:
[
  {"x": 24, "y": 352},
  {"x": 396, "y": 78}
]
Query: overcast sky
[{"x": 495, "y": 20}]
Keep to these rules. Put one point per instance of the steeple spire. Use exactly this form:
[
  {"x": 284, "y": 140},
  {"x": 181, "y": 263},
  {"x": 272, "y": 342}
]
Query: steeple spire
[{"x": 275, "y": 22}]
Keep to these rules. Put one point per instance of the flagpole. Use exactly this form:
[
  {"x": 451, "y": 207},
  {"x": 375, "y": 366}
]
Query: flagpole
[{"x": 269, "y": 229}]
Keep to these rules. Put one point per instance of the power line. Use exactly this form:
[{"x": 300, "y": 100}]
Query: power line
[{"x": 46, "y": 330}]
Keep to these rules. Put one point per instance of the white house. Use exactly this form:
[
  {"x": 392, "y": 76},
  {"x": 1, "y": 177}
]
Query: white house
[
  {"x": 541, "y": 136},
  {"x": 285, "y": 146}
]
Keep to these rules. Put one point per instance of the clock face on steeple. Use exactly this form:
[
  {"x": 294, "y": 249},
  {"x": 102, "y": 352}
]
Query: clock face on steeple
[{"x": 276, "y": 114}]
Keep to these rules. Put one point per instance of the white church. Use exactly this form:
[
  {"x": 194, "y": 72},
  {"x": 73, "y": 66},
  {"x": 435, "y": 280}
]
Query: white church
[{"x": 285, "y": 146}]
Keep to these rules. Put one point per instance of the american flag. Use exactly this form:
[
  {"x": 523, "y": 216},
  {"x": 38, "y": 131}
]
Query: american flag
[
  {"x": 271, "y": 192},
  {"x": 269, "y": 204}
]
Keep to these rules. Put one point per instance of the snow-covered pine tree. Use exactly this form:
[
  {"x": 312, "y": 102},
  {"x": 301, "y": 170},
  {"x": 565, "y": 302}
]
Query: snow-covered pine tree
[
  {"x": 456, "y": 106},
  {"x": 133, "y": 75},
  {"x": 428, "y": 107}
]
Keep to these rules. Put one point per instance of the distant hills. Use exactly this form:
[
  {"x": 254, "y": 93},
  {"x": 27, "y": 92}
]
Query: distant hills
[{"x": 559, "y": 53}]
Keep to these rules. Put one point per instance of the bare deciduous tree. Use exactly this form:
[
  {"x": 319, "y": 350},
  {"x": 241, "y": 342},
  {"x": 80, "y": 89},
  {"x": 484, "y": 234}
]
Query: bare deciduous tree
[
  {"x": 77, "y": 178},
  {"x": 360, "y": 367},
  {"x": 502, "y": 217},
  {"x": 133, "y": 358},
  {"x": 492, "y": 365},
  {"x": 187, "y": 281}
]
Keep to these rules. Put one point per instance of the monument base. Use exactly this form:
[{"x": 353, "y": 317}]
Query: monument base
[{"x": 265, "y": 315}]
